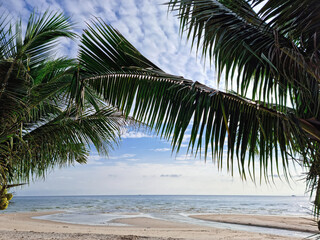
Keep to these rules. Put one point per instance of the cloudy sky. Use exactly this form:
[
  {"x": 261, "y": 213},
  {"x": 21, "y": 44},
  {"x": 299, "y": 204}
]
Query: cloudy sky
[{"x": 143, "y": 163}]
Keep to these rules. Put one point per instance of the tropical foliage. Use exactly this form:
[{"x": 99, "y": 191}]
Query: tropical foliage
[
  {"x": 48, "y": 117},
  {"x": 270, "y": 50},
  {"x": 267, "y": 50}
]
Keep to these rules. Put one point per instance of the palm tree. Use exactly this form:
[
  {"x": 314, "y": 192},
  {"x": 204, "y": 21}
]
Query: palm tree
[
  {"x": 267, "y": 49},
  {"x": 42, "y": 122},
  {"x": 270, "y": 120}
]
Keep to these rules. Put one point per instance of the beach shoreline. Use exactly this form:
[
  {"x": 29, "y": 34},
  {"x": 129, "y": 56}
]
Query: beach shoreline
[
  {"x": 291, "y": 223},
  {"x": 24, "y": 226}
]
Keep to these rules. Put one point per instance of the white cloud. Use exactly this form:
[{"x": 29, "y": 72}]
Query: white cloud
[
  {"x": 184, "y": 157},
  {"x": 171, "y": 175},
  {"x": 95, "y": 160},
  {"x": 133, "y": 159},
  {"x": 161, "y": 149},
  {"x": 123, "y": 156},
  {"x": 135, "y": 135}
]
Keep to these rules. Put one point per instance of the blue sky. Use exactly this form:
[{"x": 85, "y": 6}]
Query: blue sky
[{"x": 143, "y": 163}]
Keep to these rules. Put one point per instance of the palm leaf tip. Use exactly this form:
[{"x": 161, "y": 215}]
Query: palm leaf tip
[{"x": 42, "y": 35}]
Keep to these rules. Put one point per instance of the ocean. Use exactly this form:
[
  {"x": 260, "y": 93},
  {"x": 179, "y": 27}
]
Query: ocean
[{"x": 100, "y": 210}]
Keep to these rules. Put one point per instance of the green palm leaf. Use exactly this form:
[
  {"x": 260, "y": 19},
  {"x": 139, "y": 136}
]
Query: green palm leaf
[
  {"x": 64, "y": 140},
  {"x": 169, "y": 104},
  {"x": 276, "y": 49},
  {"x": 41, "y": 124},
  {"x": 232, "y": 35},
  {"x": 41, "y": 35},
  {"x": 252, "y": 47}
]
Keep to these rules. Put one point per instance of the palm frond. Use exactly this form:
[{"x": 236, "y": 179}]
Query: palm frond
[
  {"x": 6, "y": 38},
  {"x": 251, "y": 49},
  {"x": 169, "y": 104},
  {"x": 64, "y": 140},
  {"x": 101, "y": 38},
  {"x": 41, "y": 34},
  {"x": 275, "y": 48},
  {"x": 232, "y": 35},
  {"x": 293, "y": 18}
]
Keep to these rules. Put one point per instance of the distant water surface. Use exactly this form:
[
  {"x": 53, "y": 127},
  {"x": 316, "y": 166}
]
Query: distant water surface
[
  {"x": 166, "y": 204},
  {"x": 100, "y": 210}
]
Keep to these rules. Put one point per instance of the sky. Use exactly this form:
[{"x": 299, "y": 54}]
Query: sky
[{"x": 142, "y": 163}]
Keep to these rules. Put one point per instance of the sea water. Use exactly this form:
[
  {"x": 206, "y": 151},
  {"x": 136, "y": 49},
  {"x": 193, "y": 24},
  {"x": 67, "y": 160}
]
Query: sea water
[{"x": 101, "y": 210}]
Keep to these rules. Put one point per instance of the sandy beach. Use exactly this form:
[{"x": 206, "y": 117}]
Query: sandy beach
[
  {"x": 302, "y": 224},
  {"x": 22, "y": 226}
]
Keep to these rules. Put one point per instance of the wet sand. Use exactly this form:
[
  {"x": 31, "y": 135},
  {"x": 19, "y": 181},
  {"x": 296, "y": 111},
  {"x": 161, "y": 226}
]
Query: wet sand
[{"x": 21, "y": 226}]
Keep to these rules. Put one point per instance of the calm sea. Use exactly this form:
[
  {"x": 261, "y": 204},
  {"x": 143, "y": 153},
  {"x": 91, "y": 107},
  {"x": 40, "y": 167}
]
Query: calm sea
[{"x": 100, "y": 210}]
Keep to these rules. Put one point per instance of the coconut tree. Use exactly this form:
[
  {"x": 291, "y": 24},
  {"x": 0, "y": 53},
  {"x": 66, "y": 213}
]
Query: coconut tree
[
  {"x": 267, "y": 50},
  {"x": 267, "y": 118},
  {"x": 42, "y": 123}
]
